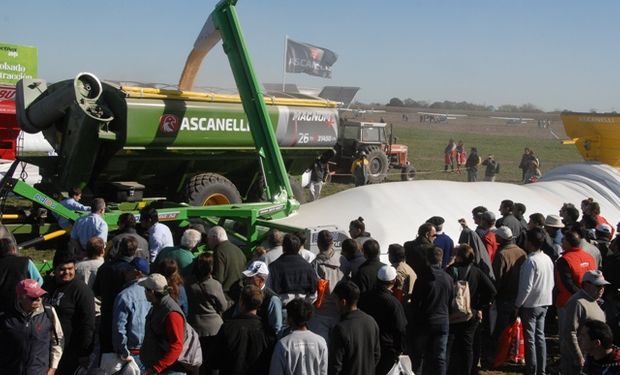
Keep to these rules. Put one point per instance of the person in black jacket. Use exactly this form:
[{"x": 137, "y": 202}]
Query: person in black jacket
[
  {"x": 242, "y": 346},
  {"x": 13, "y": 269},
  {"x": 415, "y": 251},
  {"x": 366, "y": 276},
  {"x": 389, "y": 314},
  {"x": 354, "y": 345},
  {"x": 481, "y": 292},
  {"x": 431, "y": 298},
  {"x": 75, "y": 305},
  {"x": 32, "y": 338},
  {"x": 290, "y": 276}
]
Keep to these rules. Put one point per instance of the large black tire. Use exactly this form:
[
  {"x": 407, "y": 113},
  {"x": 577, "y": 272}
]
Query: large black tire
[
  {"x": 407, "y": 173},
  {"x": 210, "y": 189},
  {"x": 298, "y": 191},
  {"x": 378, "y": 164}
]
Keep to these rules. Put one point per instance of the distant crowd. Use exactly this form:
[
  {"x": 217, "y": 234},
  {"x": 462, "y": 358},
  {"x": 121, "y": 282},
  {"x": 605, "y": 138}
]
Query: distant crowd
[
  {"x": 455, "y": 155},
  {"x": 139, "y": 301}
]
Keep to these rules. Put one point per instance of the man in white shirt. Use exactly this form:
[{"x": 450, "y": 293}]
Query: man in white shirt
[
  {"x": 533, "y": 299},
  {"x": 301, "y": 351},
  {"x": 72, "y": 203},
  {"x": 91, "y": 225},
  {"x": 159, "y": 234}
]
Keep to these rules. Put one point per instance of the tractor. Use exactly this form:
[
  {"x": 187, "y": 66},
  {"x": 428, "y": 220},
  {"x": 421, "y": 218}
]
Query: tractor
[{"x": 381, "y": 151}]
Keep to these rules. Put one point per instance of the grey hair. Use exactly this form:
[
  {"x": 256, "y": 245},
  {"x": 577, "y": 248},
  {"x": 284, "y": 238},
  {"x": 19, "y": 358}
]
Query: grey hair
[
  {"x": 190, "y": 238},
  {"x": 219, "y": 233}
]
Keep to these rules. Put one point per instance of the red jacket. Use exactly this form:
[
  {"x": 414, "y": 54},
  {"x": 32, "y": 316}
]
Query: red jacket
[
  {"x": 579, "y": 262},
  {"x": 602, "y": 220},
  {"x": 490, "y": 242}
]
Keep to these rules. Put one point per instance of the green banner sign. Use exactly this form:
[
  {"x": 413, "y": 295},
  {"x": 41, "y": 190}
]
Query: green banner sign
[{"x": 17, "y": 62}]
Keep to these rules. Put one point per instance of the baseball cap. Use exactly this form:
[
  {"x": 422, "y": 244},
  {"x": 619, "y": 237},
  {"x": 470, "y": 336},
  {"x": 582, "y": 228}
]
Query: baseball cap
[
  {"x": 386, "y": 273},
  {"x": 140, "y": 264},
  {"x": 603, "y": 228},
  {"x": 554, "y": 221},
  {"x": 595, "y": 277},
  {"x": 504, "y": 233},
  {"x": 155, "y": 282},
  {"x": 30, "y": 288},
  {"x": 257, "y": 267}
]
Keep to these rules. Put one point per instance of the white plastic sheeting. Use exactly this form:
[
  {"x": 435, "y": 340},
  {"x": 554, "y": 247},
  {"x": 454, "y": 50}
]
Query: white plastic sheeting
[{"x": 394, "y": 211}]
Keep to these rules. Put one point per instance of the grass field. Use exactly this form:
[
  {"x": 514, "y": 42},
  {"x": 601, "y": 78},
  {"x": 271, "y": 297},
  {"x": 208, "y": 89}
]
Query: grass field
[{"x": 427, "y": 141}]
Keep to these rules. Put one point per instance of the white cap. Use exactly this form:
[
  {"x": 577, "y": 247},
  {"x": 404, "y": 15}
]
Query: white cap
[
  {"x": 386, "y": 273},
  {"x": 504, "y": 233},
  {"x": 155, "y": 282},
  {"x": 256, "y": 268},
  {"x": 595, "y": 277}
]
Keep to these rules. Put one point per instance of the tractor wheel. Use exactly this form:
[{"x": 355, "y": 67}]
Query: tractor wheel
[
  {"x": 210, "y": 189},
  {"x": 378, "y": 164},
  {"x": 407, "y": 173}
]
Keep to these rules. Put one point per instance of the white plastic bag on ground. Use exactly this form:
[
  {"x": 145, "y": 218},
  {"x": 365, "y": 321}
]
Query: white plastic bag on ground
[
  {"x": 402, "y": 366},
  {"x": 112, "y": 364}
]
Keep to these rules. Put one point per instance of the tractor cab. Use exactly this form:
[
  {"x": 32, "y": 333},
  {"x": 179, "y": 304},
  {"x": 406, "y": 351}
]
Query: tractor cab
[{"x": 376, "y": 139}]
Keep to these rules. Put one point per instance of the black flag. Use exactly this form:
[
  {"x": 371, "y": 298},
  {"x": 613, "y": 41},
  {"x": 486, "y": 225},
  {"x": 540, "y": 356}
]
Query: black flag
[{"x": 309, "y": 59}]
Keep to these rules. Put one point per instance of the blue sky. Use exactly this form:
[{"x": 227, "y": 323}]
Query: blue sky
[{"x": 553, "y": 54}]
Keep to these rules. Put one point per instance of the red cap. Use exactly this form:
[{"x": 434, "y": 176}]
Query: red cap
[{"x": 29, "y": 287}]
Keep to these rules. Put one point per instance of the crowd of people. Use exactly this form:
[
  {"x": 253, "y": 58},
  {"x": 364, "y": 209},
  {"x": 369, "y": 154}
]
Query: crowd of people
[
  {"x": 455, "y": 155},
  {"x": 141, "y": 301}
]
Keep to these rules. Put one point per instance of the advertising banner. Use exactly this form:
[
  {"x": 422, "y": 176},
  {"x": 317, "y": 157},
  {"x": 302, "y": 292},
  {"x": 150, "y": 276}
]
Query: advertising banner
[{"x": 17, "y": 62}]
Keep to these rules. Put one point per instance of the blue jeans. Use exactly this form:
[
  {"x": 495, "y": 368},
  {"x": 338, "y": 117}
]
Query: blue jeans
[
  {"x": 533, "y": 319},
  {"x": 430, "y": 347}
]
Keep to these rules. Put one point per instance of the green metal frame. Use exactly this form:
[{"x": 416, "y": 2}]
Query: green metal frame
[
  {"x": 277, "y": 183},
  {"x": 253, "y": 215}
]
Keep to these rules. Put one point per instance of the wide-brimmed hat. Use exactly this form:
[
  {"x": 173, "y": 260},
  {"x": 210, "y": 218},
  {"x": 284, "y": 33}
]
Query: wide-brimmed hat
[{"x": 554, "y": 221}]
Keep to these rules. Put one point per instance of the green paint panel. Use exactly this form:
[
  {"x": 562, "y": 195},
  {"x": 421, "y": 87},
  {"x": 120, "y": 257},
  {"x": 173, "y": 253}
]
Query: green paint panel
[
  {"x": 156, "y": 123},
  {"x": 17, "y": 62}
]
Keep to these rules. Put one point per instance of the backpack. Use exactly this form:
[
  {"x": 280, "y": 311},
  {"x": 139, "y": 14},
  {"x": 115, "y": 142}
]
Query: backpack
[
  {"x": 191, "y": 356},
  {"x": 461, "y": 305}
]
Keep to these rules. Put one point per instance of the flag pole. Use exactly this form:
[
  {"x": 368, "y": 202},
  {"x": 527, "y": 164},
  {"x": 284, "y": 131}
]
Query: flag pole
[{"x": 284, "y": 63}]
